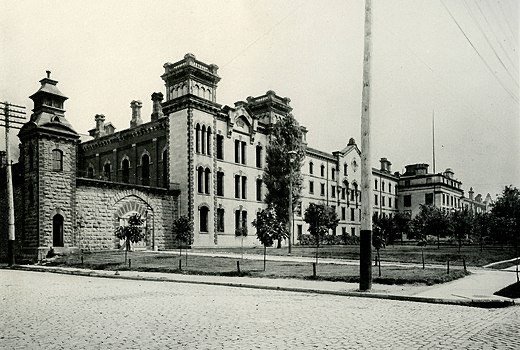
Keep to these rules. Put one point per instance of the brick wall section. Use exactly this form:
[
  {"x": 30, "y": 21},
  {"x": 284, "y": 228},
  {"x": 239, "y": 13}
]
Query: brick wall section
[{"x": 100, "y": 204}]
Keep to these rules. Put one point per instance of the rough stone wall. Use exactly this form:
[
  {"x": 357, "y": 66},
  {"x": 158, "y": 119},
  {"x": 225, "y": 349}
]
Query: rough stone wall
[
  {"x": 56, "y": 191},
  {"x": 100, "y": 207}
]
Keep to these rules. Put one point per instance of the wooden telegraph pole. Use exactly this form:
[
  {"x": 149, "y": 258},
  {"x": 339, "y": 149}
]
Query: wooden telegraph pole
[
  {"x": 365, "y": 247},
  {"x": 9, "y": 113}
]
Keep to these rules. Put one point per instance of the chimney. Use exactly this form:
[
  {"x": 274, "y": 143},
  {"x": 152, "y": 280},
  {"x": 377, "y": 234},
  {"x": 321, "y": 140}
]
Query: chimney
[
  {"x": 136, "y": 113},
  {"x": 471, "y": 193},
  {"x": 157, "y": 98},
  {"x": 385, "y": 165},
  {"x": 100, "y": 125}
]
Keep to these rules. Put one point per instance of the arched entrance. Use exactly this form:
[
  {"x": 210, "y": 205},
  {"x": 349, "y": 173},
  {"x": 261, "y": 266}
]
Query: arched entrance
[
  {"x": 126, "y": 207},
  {"x": 57, "y": 231}
]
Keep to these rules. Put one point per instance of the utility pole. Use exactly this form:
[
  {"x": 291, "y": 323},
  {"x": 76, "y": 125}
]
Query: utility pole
[
  {"x": 365, "y": 247},
  {"x": 9, "y": 113}
]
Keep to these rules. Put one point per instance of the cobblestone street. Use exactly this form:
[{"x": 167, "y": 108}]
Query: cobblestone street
[{"x": 52, "y": 311}]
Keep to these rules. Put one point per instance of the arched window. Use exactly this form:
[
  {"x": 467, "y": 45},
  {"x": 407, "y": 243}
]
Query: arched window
[
  {"x": 125, "y": 165},
  {"x": 57, "y": 231},
  {"x": 322, "y": 170},
  {"x": 206, "y": 180},
  {"x": 311, "y": 168},
  {"x": 203, "y": 139},
  {"x": 165, "y": 168},
  {"x": 345, "y": 168},
  {"x": 203, "y": 219},
  {"x": 197, "y": 138},
  {"x": 258, "y": 156},
  {"x": 90, "y": 172},
  {"x": 106, "y": 171},
  {"x": 31, "y": 158},
  {"x": 57, "y": 160},
  {"x": 145, "y": 169},
  {"x": 200, "y": 180},
  {"x": 208, "y": 143}
]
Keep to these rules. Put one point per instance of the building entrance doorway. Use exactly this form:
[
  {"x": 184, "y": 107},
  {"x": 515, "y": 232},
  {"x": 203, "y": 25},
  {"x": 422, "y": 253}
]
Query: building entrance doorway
[
  {"x": 57, "y": 231},
  {"x": 142, "y": 245}
]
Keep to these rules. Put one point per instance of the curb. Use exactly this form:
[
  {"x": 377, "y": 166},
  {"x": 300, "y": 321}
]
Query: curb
[{"x": 481, "y": 303}]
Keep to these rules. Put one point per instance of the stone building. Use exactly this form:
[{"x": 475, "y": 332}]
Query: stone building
[{"x": 193, "y": 157}]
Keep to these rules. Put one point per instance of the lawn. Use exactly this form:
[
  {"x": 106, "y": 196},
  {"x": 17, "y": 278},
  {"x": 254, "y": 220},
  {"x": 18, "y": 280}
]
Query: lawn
[
  {"x": 398, "y": 253},
  {"x": 147, "y": 261}
]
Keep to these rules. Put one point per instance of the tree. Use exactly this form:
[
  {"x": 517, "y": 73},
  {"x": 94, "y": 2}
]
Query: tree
[
  {"x": 382, "y": 229},
  {"x": 182, "y": 231},
  {"x": 284, "y": 158},
  {"x": 268, "y": 228},
  {"x": 401, "y": 224},
  {"x": 481, "y": 228},
  {"x": 321, "y": 218},
  {"x": 431, "y": 221},
  {"x": 241, "y": 232},
  {"x": 506, "y": 212},
  {"x": 461, "y": 225},
  {"x": 132, "y": 233}
]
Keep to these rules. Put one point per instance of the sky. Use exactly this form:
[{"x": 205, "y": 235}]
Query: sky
[{"x": 455, "y": 59}]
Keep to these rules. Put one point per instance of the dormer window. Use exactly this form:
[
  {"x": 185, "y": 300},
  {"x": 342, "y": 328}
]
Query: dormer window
[{"x": 56, "y": 119}]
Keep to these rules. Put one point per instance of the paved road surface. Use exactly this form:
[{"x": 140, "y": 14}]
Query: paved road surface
[{"x": 51, "y": 311}]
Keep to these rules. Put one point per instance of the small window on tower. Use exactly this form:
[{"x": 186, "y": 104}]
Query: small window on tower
[{"x": 57, "y": 160}]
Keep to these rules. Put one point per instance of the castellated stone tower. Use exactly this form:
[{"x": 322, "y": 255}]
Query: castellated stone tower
[{"x": 48, "y": 159}]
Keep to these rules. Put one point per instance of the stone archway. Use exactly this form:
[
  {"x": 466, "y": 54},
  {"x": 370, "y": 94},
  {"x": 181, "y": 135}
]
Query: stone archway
[{"x": 130, "y": 205}]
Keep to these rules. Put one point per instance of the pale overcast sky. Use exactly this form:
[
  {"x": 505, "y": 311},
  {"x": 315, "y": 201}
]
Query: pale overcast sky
[{"x": 106, "y": 53}]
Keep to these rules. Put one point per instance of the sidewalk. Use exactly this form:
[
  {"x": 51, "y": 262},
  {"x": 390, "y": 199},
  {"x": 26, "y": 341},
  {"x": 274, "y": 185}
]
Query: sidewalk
[{"x": 474, "y": 290}]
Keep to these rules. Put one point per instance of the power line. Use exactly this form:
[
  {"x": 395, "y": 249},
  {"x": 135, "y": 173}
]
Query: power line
[
  {"x": 479, "y": 55},
  {"x": 489, "y": 43},
  {"x": 513, "y": 62},
  {"x": 264, "y": 34}
]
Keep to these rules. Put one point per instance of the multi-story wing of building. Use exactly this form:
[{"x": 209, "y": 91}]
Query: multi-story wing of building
[{"x": 193, "y": 157}]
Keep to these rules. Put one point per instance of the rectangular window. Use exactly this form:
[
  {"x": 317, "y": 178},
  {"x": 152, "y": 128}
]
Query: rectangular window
[
  {"x": 244, "y": 219},
  {"x": 57, "y": 160},
  {"x": 259, "y": 189},
  {"x": 322, "y": 191},
  {"x": 220, "y": 147},
  {"x": 352, "y": 218},
  {"x": 390, "y": 202},
  {"x": 237, "y": 186},
  {"x": 237, "y": 219},
  {"x": 344, "y": 231},
  {"x": 237, "y": 151},
  {"x": 383, "y": 186},
  {"x": 345, "y": 166},
  {"x": 375, "y": 184},
  {"x": 375, "y": 199},
  {"x": 243, "y": 155},
  {"x": 258, "y": 156},
  {"x": 333, "y": 189},
  {"x": 311, "y": 168},
  {"x": 311, "y": 187},
  {"x": 353, "y": 231},
  {"x": 383, "y": 201},
  {"x": 322, "y": 172},
  {"x": 333, "y": 173},
  {"x": 443, "y": 199},
  {"x": 343, "y": 192},
  {"x": 220, "y": 183},
  {"x": 244, "y": 187},
  {"x": 343, "y": 213},
  {"x": 389, "y": 188},
  {"x": 220, "y": 220},
  {"x": 428, "y": 198},
  {"x": 407, "y": 200},
  {"x": 352, "y": 195}
]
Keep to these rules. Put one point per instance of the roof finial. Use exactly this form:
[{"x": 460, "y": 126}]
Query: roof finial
[{"x": 48, "y": 74}]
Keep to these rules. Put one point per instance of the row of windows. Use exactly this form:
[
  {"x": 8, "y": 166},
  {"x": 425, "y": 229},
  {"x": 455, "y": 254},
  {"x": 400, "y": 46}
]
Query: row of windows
[
  {"x": 335, "y": 189},
  {"x": 203, "y": 139},
  {"x": 125, "y": 170},
  {"x": 322, "y": 170},
  {"x": 240, "y": 219},
  {"x": 429, "y": 200},
  {"x": 203, "y": 184},
  {"x": 383, "y": 186},
  {"x": 383, "y": 201}
]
